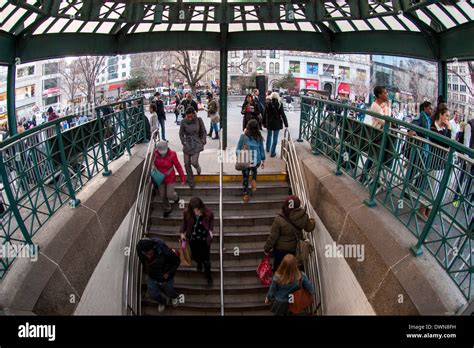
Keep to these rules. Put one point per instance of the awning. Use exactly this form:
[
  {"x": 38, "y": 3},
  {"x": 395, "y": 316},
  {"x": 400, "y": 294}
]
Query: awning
[
  {"x": 51, "y": 91},
  {"x": 307, "y": 83},
  {"x": 115, "y": 86},
  {"x": 343, "y": 88}
]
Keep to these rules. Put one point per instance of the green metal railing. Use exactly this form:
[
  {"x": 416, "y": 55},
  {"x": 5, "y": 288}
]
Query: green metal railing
[
  {"x": 43, "y": 168},
  {"x": 404, "y": 173}
]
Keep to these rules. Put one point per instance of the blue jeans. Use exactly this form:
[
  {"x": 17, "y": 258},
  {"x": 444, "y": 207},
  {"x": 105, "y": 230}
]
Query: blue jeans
[
  {"x": 162, "y": 125},
  {"x": 246, "y": 175},
  {"x": 273, "y": 144},
  {"x": 155, "y": 288},
  {"x": 215, "y": 127}
]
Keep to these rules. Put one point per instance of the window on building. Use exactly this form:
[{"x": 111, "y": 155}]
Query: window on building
[
  {"x": 250, "y": 67},
  {"x": 455, "y": 87},
  {"x": 361, "y": 74},
  {"x": 328, "y": 69},
  {"x": 264, "y": 66},
  {"x": 272, "y": 68},
  {"x": 260, "y": 53},
  {"x": 233, "y": 54},
  {"x": 272, "y": 54},
  {"x": 50, "y": 83},
  {"x": 124, "y": 66},
  {"x": 51, "y": 68},
  {"x": 294, "y": 67},
  {"x": 462, "y": 98},
  {"x": 25, "y": 71},
  {"x": 51, "y": 100},
  {"x": 247, "y": 54},
  {"x": 312, "y": 68},
  {"x": 124, "y": 74},
  {"x": 277, "y": 68},
  {"x": 345, "y": 72},
  {"x": 449, "y": 86},
  {"x": 462, "y": 88}
]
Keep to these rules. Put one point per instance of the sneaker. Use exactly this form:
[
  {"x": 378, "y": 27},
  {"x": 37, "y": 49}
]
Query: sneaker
[
  {"x": 273, "y": 155},
  {"x": 174, "y": 302},
  {"x": 161, "y": 308},
  {"x": 254, "y": 185}
]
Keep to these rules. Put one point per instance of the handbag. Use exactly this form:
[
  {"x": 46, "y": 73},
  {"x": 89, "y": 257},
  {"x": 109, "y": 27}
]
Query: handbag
[
  {"x": 264, "y": 271},
  {"x": 304, "y": 248},
  {"x": 243, "y": 158},
  {"x": 302, "y": 299},
  {"x": 215, "y": 118},
  {"x": 185, "y": 254},
  {"x": 158, "y": 176}
]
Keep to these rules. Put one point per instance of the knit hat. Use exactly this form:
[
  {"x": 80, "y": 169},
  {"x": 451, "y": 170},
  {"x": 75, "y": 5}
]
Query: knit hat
[
  {"x": 162, "y": 147},
  {"x": 50, "y": 110}
]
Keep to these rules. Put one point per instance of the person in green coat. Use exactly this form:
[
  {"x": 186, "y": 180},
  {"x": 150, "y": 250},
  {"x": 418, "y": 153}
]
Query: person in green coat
[{"x": 287, "y": 229}]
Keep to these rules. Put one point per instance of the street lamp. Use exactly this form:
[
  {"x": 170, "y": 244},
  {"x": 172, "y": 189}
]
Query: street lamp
[
  {"x": 336, "y": 78},
  {"x": 168, "y": 69}
]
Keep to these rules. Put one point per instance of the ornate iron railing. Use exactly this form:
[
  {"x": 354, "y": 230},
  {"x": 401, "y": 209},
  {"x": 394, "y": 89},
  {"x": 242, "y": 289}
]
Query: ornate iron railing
[
  {"x": 43, "y": 168},
  {"x": 404, "y": 173}
]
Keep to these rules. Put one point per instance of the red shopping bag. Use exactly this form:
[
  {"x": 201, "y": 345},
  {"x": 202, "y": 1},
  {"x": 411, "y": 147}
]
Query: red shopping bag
[{"x": 264, "y": 271}]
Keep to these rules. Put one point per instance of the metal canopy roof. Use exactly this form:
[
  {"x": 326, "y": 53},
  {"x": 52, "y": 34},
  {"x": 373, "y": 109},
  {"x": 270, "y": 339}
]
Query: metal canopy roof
[{"x": 37, "y": 29}]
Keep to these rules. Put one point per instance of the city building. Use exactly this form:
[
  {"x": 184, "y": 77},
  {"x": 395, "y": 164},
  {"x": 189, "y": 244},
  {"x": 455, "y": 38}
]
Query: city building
[
  {"x": 461, "y": 89},
  {"x": 115, "y": 70}
]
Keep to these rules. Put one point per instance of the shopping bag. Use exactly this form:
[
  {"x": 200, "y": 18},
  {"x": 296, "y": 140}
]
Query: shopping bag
[
  {"x": 264, "y": 270},
  {"x": 302, "y": 299},
  {"x": 185, "y": 253}
]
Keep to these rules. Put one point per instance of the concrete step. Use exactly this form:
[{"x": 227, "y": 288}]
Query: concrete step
[
  {"x": 282, "y": 176},
  {"x": 256, "y": 287},
  {"x": 230, "y": 217},
  {"x": 203, "y": 303},
  {"x": 229, "y": 237},
  {"x": 170, "y": 311},
  {"x": 264, "y": 188},
  {"x": 228, "y": 246},
  {"x": 228, "y": 230},
  {"x": 231, "y": 202}
]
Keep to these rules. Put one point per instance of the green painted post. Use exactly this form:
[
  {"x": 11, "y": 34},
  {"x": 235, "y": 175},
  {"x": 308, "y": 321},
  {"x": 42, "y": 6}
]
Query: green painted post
[
  {"x": 443, "y": 79},
  {"x": 74, "y": 202},
  {"x": 318, "y": 127},
  {"x": 125, "y": 113},
  {"x": 371, "y": 202},
  {"x": 302, "y": 111},
  {"x": 107, "y": 171},
  {"x": 11, "y": 107},
  {"x": 341, "y": 143},
  {"x": 13, "y": 206},
  {"x": 417, "y": 249},
  {"x": 223, "y": 84}
]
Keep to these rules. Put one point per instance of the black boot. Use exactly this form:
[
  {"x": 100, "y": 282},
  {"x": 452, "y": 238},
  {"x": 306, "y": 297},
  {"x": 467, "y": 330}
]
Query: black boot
[{"x": 207, "y": 271}]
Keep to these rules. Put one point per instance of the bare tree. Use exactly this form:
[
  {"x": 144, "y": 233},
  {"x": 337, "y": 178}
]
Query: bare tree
[
  {"x": 149, "y": 65},
  {"x": 71, "y": 76},
  {"x": 185, "y": 68},
  {"x": 242, "y": 64},
  {"x": 89, "y": 68}
]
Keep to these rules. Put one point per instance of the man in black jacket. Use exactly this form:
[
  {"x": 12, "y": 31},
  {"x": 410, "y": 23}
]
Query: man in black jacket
[
  {"x": 187, "y": 102},
  {"x": 160, "y": 111},
  {"x": 160, "y": 263}
]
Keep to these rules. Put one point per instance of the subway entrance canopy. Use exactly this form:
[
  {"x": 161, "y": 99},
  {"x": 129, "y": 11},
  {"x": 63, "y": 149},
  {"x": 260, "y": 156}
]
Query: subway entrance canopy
[
  {"x": 31, "y": 30},
  {"x": 435, "y": 30}
]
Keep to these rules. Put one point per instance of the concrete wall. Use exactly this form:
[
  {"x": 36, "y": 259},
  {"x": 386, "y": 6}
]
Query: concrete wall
[
  {"x": 72, "y": 243},
  {"x": 394, "y": 281}
]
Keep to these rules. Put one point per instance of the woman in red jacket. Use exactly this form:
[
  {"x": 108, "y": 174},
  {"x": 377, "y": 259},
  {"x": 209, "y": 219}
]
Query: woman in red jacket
[
  {"x": 197, "y": 226},
  {"x": 166, "y": 161}
]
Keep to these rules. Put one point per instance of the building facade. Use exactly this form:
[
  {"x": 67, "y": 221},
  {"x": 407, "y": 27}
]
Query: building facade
[
  {"x": 460, "y": 89},
  {"x": 115, "y": 70}
]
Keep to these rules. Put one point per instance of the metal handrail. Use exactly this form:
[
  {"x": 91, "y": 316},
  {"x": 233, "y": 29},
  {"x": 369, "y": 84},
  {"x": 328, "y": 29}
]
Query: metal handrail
[
  {"x": 221, "y": 221},
  {"x": 289, "y": 155},
  {"x": 138, "y": 228}
]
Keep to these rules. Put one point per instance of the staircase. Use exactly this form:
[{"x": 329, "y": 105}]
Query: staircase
[{"x": 246, "y": 229}]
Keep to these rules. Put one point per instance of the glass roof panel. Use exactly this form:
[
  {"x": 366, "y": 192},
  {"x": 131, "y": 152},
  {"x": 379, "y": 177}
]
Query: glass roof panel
[
  {"x": 195, "y": 27},
  {"x": 213, "y": 27},
  {"x": 458, "y": 16},
  {"x": 233, "y": 27},
  {"x": 360, "y": 24},
  {"x": 467, "y": 9},
  {"x": 90, "y": 27},
  {"x": 408, "y": 23},
  {"x": 105, "y": 28},
  {"x": 5, "y": 12},
  {"x": 344, "y": 25},
  {"x": 58, "y": 26},
  {"x": 73, "y": 27},
  {"x": 253, "y": 26},
  {"x": 288, "y": 26},
  {"x": 377, "y": 24},
  {"x": 43, "y": 26},
  {"x": 178, "y": 27},
  {"x": 13, "y": 20},
  {"x": 143, "y": 28},
  {"x": 270, "y": 26},
  {"x": 306, "y": 26},
  {"x": 160, "y": 27},
  {"x": 393, "y": 23},
  {"x": 443, "y": 17},
  {"x": 423, "y": 17}
]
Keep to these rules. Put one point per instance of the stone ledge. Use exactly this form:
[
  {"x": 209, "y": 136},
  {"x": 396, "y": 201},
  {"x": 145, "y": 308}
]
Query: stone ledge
[
  {"x": 72, "y": 243},
  {"x": 394, "y": 281}
]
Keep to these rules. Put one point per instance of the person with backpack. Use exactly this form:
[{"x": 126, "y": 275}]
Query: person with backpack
[
  {"x": 192, "y": 133},
  {"x": 273, "y": 119},
  {"x": 160, "y": 264},
  {"x": 196, "y": 228},
  {"x": 286, "y": 280},
  {"x": 287, "y": 230},
  {"x": 213, "y": 113},
  {"x": 253, "y": 140},
  {"x": 166, "y": 161}
]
